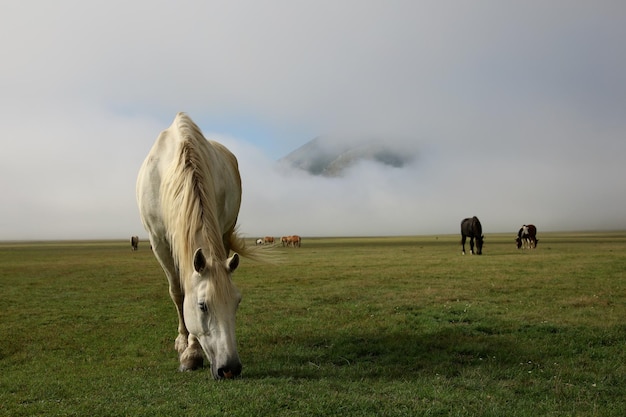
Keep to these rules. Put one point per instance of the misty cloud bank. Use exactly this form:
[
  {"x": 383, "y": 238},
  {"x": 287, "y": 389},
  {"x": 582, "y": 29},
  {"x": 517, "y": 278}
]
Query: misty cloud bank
[
  {"x": 510, "y": 111},
  {"x": 429, "y": 196}
]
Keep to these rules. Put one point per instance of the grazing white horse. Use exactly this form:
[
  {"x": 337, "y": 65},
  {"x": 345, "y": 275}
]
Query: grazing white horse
[{"x": 189, "y": 193}]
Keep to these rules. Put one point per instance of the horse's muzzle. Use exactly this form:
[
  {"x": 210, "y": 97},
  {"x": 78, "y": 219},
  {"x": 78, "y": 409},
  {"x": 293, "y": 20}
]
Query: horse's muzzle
[{"x": 230, "y": 371}]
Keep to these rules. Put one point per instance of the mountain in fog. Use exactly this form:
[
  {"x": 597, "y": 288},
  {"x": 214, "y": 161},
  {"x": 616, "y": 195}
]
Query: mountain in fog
[{"x": 331, "y": 157}]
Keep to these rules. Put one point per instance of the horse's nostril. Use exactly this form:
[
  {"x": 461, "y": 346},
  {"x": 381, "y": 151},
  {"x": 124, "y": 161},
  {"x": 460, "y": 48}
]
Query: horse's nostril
[{"x": 228, "y": 373}]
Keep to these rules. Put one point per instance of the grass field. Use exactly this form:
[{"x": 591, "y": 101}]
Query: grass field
[{"x": 340, "y": 327}]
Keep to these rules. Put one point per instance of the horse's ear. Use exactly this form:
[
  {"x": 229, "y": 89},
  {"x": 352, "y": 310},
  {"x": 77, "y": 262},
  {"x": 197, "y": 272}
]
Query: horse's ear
[
  {"x": 199, "y": 261},
  {"x": 232, "y": 263}
]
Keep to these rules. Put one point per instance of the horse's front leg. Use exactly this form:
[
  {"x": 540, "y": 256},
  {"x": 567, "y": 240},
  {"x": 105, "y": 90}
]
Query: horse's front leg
[
  {"x": 189, "y": 351},
  {"x": 192, "y": 357},
  {"x": 181, "y": 340}
]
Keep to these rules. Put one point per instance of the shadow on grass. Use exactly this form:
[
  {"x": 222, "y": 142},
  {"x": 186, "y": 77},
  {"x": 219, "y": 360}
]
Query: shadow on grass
[
  {"x": 395, "y": 355},
  {"x": 498, "y": 351}
]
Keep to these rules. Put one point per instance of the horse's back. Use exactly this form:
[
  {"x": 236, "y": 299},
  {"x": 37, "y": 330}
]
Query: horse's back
[
  {"x": 476, "y": 226},
  {"x": 466, "y": 226},
  {"x": 471, "y": 226},
  {"x": 223, "y": 182},
  {"x": 150, "y": 177},
  {"x": 166, "y": 149}
]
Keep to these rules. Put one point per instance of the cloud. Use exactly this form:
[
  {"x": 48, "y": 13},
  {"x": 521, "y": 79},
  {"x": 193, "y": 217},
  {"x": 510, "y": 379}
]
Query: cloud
[
  {"x": 516, "y": 110},
  {"x": 430, "y": 196}
]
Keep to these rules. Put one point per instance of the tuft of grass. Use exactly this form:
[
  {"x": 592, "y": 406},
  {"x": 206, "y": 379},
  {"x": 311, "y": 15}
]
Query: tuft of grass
[{"x": 342, "y": 326}]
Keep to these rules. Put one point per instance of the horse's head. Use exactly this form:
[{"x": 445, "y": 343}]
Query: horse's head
[
  {"x": 479, "y": 244},
  {"x": 209, "y": 310},
  {"x": 518, "y": 241}
]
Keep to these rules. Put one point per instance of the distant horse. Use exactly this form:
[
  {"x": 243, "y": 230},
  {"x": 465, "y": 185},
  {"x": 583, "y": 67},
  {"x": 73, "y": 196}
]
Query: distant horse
[
  {"x": 189, "y": 193},
  {"x": 294, "y": 241},
  {"x": 472, "y": 228},
  {"x": 259, "y": 242},
  {"x": 134, "y": 242},
  {"x": 527, "y": 237},
  {"x": 268, "y": 240}
]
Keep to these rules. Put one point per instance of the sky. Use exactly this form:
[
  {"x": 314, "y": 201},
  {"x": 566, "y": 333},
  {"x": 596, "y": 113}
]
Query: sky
[{"x": 516, "y": 111}]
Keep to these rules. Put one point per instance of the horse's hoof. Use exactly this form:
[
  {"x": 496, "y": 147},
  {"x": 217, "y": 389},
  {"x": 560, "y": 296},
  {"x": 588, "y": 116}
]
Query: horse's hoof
[
  {"x": 187, "y": 368},
  {"x": 191, "y": 364}
]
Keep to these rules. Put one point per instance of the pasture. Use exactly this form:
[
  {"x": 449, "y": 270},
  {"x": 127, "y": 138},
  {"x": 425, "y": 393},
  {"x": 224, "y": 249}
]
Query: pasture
[{"x": 399, "y": 326}]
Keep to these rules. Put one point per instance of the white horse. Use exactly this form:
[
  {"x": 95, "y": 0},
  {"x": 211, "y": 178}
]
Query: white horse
[{"x": 189, "y": 193}]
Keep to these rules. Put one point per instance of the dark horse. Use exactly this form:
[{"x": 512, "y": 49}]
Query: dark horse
[{"x": 471, "y": 228}]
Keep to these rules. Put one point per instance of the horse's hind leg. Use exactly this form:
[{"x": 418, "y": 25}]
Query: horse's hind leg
[
  {"x": 472, "y": 245},
  {"x": 463, "y": 244}
]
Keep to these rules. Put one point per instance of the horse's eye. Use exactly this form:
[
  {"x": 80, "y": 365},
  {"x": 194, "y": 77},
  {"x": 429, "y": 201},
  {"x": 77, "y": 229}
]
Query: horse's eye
[{"x": 203, "y": 307}]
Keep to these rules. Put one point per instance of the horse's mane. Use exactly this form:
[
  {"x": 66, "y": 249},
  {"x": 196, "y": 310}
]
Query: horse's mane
[{"x": 189, "y": 207}]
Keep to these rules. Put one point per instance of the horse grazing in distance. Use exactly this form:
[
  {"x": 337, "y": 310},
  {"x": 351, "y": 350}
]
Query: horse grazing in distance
[
  {"x": 268, "y": 240},
  {"x": 134, "y": 242},
  {"x": 472, "y": 228},
  {"x": 189, "y": 194},
  {"x": 527, "y": 237},
  {"x": 294, "y": 240},
  {"x": 258, "y": 242}
]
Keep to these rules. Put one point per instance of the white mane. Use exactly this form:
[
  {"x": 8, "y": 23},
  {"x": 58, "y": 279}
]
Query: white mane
[{"x": 189, "y": 200}]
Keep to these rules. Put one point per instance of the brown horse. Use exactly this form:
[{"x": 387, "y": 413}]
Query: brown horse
[{"x": 294, "y": 241}]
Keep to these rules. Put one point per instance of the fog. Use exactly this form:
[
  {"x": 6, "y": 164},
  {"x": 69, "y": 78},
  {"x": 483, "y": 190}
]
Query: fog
[{"x": 515, "y": 111}]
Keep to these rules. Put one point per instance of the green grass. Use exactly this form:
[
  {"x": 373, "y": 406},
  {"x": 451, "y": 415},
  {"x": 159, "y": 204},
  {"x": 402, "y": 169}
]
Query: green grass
[{"x": 341, "y": 326}]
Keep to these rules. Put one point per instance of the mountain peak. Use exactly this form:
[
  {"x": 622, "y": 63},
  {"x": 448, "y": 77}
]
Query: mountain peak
[{"x": 331, "y": 156}]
